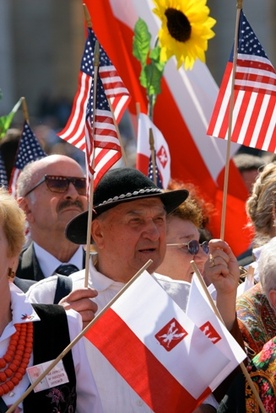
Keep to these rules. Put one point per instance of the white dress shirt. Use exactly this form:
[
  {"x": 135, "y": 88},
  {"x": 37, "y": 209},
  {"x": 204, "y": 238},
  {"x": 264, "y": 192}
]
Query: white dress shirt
[
  {"x": 116, "y": 394},
  {"x": 48, "y": 263},
  {"x": 87, "y": 395}
]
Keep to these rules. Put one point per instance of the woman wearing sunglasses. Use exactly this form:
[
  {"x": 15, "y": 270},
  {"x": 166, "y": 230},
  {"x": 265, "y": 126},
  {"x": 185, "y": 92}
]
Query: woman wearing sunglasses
[{"x": 183, "y": 240}]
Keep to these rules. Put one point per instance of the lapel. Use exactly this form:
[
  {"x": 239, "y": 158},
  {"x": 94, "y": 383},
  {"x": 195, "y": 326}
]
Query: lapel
[{"x": 28, "y": 267}]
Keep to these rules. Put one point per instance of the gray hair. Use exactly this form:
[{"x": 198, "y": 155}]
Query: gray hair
[{"x": 267, "y": 266}]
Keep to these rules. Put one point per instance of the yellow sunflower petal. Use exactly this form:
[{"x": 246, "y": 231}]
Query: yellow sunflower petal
[{"x": 185, "y": 30}]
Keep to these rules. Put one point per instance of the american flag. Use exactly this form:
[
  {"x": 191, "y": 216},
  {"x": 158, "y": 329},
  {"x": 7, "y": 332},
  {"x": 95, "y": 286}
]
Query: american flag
[
  {"x": 3, "y": 173},
  {"x": 74, "y": 131},
  {"x": 29, "y": 150},
  {"x": 254, "y": 110},
  {"x": 100, "y": 133},
  {"x": 154, "y": 176}
]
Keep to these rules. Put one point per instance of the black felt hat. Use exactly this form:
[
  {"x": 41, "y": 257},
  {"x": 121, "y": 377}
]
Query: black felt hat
[{"x": 117, "y": 186}]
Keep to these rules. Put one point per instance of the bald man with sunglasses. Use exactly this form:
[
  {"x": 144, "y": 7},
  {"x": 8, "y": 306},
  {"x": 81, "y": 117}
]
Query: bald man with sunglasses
[{"x": 51, "y": 191}]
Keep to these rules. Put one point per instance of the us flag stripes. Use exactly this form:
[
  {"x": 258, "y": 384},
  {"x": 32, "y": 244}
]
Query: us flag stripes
[
  {"x": 74, "y": 131},
  {"x": 254, "y": 111}
]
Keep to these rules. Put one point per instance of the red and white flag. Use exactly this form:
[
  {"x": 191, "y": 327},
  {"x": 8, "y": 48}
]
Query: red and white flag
[
  {"x": 150, "y": 340},
  {"x": 163, "y": 158},
  {"x": 254, "y": 111},
  {"x": 201, "y": 313},
  {"x": 182, "y": 114}
]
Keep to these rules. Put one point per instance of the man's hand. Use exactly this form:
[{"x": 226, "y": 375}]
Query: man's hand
[{"x": 80, "y": 301}]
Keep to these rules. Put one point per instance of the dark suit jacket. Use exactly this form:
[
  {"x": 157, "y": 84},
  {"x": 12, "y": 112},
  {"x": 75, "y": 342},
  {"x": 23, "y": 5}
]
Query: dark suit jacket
[{"x": 29, "y": 268}]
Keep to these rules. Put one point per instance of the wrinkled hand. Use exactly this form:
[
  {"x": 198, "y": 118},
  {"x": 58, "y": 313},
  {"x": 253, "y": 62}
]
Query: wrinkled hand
[
  {"x": 222, "y": 267},
  {"x": 80, "y": 301},
  {"x": 222, "y": 270}
]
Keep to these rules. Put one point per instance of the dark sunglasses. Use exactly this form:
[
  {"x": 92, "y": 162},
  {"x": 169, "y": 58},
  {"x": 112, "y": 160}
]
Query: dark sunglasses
[
  {"x": 60, "y": 184},
  {"x": 192, "y": 246}
]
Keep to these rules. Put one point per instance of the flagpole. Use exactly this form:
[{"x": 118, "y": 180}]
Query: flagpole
[
  {"x": 152, "y": 150},
  {"x": 231, "y": 107},
  {"x": 217, "y": 313},
  {"x": 25, "y": 110},
  {"x": 78, "y": 337},
  {"x": 91, "y": 178},
  {"x": 89, "y": 25}
]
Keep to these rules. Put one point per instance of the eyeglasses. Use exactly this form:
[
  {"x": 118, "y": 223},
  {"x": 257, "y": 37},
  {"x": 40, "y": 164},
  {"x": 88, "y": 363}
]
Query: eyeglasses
[
  {"x": 60, "y": 184},
  {"x": 192, "y": 246}
]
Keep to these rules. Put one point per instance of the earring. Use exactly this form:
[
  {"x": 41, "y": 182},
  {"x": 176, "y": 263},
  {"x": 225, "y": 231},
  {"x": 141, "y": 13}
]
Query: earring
[{"x": 11, "y": 273}]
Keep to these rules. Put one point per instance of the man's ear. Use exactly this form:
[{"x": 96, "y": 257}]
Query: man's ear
[
  {"x": 25, "y": 206},
  {"x": 97, "y": 233}
]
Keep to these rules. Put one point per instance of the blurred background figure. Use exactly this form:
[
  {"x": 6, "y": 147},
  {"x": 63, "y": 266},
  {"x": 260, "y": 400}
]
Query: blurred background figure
[
  {"x": 261, "y": 211},
  {"x": 249, "y": 166}
]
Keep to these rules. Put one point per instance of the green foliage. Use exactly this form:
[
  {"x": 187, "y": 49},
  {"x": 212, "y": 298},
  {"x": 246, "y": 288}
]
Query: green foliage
[{"x": 151, "y": 67}]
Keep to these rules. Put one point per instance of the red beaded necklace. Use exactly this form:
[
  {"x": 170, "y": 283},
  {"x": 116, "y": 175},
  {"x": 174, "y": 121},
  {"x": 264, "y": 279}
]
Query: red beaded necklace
[{"x": 14, "y": 363}]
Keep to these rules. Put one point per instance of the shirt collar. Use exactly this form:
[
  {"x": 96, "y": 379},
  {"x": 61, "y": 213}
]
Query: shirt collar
[
  {"x": 101, "y": 282},
  {"x": 48, "y": 263}
]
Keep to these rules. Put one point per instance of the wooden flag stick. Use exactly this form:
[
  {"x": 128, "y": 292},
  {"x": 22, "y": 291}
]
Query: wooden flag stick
[
  {"x": 78, "y": 337},
  {"x": 229, "y": 134},
  {"x": 217, "y": 313},
  {"x": 152, "y": 150},
  {"x": 91, "y": 178},
  {"x": 25, "y": 109},
  {"x": 87, "y": 16}
]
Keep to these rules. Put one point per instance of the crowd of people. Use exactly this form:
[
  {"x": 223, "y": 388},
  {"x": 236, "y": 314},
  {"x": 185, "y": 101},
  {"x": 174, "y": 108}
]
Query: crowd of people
[{"x": 44, "y": 254}]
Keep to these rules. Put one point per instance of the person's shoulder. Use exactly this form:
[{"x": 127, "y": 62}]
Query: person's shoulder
[{"x": 43, "y": 291}]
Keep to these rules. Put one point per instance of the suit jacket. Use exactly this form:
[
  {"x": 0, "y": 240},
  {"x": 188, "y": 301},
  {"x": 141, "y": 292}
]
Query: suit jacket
[{"x": 29, "y": 268}]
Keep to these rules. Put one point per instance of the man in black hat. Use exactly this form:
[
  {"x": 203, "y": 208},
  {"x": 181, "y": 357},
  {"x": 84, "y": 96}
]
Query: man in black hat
[{"x": 128, "y": 228}]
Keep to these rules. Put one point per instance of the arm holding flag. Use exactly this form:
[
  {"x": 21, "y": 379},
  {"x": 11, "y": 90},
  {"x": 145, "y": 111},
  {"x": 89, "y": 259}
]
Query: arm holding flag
[{"x": 223, "y": 271}]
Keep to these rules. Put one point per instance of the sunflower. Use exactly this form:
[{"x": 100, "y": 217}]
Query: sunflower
[{"x": 185, "y": 30}]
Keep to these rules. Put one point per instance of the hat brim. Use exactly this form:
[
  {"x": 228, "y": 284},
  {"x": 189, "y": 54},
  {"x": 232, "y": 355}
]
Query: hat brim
[{"x": 76, "y": 230}]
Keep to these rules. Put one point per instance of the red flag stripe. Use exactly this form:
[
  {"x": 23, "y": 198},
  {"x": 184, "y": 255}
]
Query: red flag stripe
[
  {"x": 74, "y": 129},
  {"x": 136, "y": 354}
]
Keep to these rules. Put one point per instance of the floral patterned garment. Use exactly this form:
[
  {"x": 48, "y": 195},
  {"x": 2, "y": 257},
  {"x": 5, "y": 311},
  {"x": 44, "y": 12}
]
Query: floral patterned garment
[
  {"x": 262, "y": 370},
  {"x": 257, "y": 320}
]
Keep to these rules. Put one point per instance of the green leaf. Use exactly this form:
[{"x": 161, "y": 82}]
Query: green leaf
[
  {"x": 153, "y": 75},
  {"x": 141, "y": 41}
]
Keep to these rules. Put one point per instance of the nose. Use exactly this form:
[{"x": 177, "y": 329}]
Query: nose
[
  {"x": 71, "y": 191},
  {"x": 201, "y": 256},
  {"x": 151, "y": 231}
]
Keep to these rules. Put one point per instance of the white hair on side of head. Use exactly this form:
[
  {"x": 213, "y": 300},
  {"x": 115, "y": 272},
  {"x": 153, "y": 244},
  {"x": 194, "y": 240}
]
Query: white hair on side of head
[{"x": 267, "y": 266}]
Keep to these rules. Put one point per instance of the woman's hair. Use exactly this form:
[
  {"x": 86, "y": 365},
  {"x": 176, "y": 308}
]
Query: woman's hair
[
  {"x": 193, "y": 208},
  {"x": 267, "y": 266},
  {"x": 12, "y": 218},
  {"x": 260, "y": 206}
]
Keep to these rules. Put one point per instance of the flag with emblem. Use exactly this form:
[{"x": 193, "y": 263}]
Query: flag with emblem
[
  {"x": 100, "y": 132},
  {"x": 199, "y": 310},
  {"x": 29, "y": 150},
  {"x": 165, "y": 347},
  {"x": 74, "y": 130},
  {"x": 254, "y": 111},
  {"x": 162, "y": 153},
  {"x": 153, "y": 172}
]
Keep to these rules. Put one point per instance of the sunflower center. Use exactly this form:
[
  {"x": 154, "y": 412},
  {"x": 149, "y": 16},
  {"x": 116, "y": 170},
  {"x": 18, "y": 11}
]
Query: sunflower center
[{"x": 178, "y": 25}]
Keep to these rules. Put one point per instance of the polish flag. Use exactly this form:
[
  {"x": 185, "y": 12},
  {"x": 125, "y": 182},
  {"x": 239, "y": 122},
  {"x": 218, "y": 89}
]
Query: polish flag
[
  {"x": 201, "y": 313},
  {"x": 151, "y": 341},
  {"x": 163, "y": 157},
  {"x": 182, "y": 113}
]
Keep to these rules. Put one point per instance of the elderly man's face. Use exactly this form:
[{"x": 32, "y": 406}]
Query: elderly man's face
[{"x": 128, "y": 235}]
